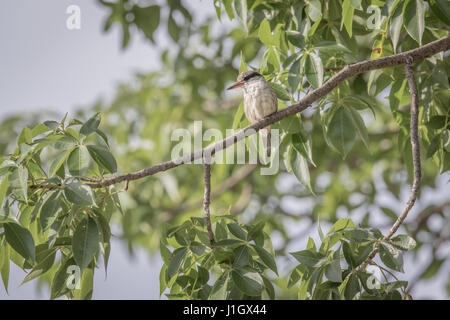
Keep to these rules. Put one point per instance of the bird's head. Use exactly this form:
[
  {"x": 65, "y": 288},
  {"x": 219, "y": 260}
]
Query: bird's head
[{"x": 246, "y": 77}]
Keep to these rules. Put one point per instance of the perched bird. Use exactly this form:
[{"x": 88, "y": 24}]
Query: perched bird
[{"x": 260, "y": 101}]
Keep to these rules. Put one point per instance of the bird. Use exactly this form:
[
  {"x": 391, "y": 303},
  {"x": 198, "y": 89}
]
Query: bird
[{"x": 260, "y": 101}]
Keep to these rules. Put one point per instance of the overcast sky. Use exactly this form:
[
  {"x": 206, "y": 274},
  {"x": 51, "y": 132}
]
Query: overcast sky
[{"x": 44, "y": 65}]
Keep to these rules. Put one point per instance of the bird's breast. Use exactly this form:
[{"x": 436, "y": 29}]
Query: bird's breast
[{"x": 259, "y": 101}]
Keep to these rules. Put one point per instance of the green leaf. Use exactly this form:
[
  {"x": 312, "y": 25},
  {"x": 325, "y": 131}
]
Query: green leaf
[
  {"x": 45, "y": 258},
  {"x": 347, "y": 17},
  {"x": 58, "y": 162},
  {"x": 348, "y": 254},
  {"x": 295, "y": 276},
  {"x": 4, "y": 265},
  {"x": 91, "y": 125},
  {"x": 173, "y": 28},
  {"x": 311, "y": 244},
  {"x": 176, "y": 261},
  {"x": 296, "y": 38},
  {"x": 333, "y": 270},
  {"x": 64, "y": 143},
  {"x": 352, "y": 287},
  {"x": 248, "y": 281},
  {"x": 299, "y": 166},
  {"x": 414, "y": 19},
  {"x": 332, "y": 48},
  {"x": 147, "y": 19},
  {"x": 59, "y": 283},
  {"x": 220, "y": 232},
  {"x": 242, "y": 256},
  {"x": 403, "y": 242},
  {"x": 229, "y": 8},
  {"x": 256, "y": 229},
  {"x": 356, "y": 4},
  {"x": 238, "y": 116},
  {"x": 241, "y": 11},
  {"x": 360, "y": 126},
  {"x": 85, "y": 242},
  {"x": 432, "y": 269},
  {"x": 22, "y": 175},
  {"x": 6, "y": 216},
  {"x": 434, "y": 145},
  {"x": 79, "y": 193},
  {"x": 303, "y": 145},
  {"x": 219, "y": 289},
  {"x": 105, "y": 238},
  {"x": 51, "y": 124},
  {"x": 78, "y": 161},
  {"x": 20, "y": 239},
  {"x": 314, "y": 10},
  {"x": 25, "y": 136},
  {"x": 309, "y": 258},
  {"x": 103, "y": 136},
  {"x": 364, "y": 252},
  {"x": 294, "y": 76},
  {"x": 4, "y": 185},
  {"x": 162, "y": 279},
  {"x": 271, "y": 61},
  {"x": 391, "y": 256},
  {"x": 86, "y": 285},
  {"x": 319, "y": 229},
  {"x": 280, "y": 91},
  {"x": 343, "y": 223},
  {"x": 242, "y": 66},
  {"x": 269, "y": 289},
  {"x": 441, "y": 8},
  {"x": 314, "y": 70},
  {"x": 49, "y": 210},
  {"x": 291, "y": 124},
  {"x": 267, "y": 258},
  {"x": 341, "y": 131},
  {"x": 237, "y": 231},
  {"x": 398, "y": 91},
  {"x": 265, "y": 33},
  {"x": 395, "y": 27},
  {"x": 103, "y": 157},
  {"x": 39, "y": 129},
  {"x": 7, "y": 165},
  {"x": 197, "y": 248},
  {"x": 437, "y": 122},
  {"x": 227, "y": 243}
]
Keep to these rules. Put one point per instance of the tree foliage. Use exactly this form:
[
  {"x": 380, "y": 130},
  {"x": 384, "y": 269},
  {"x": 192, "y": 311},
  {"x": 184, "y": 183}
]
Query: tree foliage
[{"x": 351, "y": 148}]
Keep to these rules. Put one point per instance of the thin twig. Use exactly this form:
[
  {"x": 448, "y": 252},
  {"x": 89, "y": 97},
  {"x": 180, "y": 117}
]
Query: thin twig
[
  {"x": 228, "y": 184},
  {"x": 206, "y": 202},
  {"x": 414, "y": 123}
]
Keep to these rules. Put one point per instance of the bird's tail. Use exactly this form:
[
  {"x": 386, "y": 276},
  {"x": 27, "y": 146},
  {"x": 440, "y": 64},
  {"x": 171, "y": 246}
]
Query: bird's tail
[{"x": 265, "y": 135}]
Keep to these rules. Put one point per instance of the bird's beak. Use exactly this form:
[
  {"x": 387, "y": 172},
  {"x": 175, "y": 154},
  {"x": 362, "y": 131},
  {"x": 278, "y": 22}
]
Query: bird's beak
[{"x": 236, "y": 85}]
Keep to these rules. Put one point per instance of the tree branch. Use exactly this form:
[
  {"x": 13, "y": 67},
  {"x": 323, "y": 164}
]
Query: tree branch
[
  {"x": 414, "y": 55},
  {"x": 414, "y": 123},
  {"x": 206, "y": 201},
  {"x": 347, "y": 72}
]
